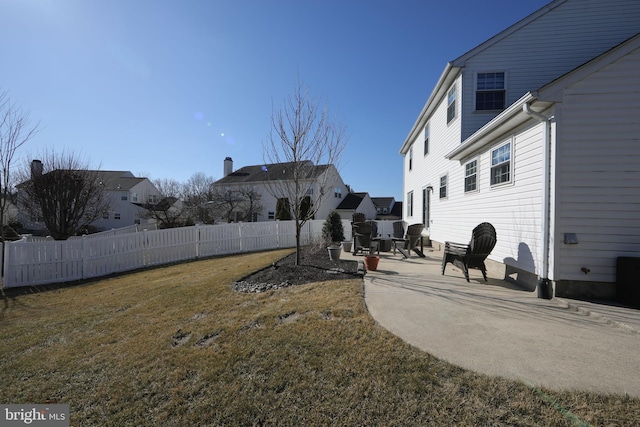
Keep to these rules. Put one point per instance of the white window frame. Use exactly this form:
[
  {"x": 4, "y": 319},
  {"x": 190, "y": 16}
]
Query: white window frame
[
  {"x": 500, "y": 162},
  {"x": 426, "y": 139},
  {"x": 476, "y": 90},
  {"x": 410, "y": 204},
  {"x": 452, "y": 103},
  {"x": 476, "y": 174},
  {"x": 444, "y": 177}
]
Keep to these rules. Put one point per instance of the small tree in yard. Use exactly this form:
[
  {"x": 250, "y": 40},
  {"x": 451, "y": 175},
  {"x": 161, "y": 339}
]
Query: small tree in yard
[
  {"x": 304, "y": 135},
  {"x": 332, "y": 229}
]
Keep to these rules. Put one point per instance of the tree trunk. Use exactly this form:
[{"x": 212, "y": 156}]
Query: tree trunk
[{"x": 298, "y": 230}]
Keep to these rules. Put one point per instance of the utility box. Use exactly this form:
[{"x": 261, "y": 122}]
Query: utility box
[{"x": 628, "y": 281}]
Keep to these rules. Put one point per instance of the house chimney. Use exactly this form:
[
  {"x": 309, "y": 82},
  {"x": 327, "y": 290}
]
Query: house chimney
[
  {"x": 228, "y": 166},
  {"x": 36, "y": 168}
]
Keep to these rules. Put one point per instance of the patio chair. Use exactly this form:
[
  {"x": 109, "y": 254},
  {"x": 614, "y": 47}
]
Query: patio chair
[
  {"x": 483, "y": 240},
  {"x": 362, "y": 241},
  {"x": 409, "y": 240}
]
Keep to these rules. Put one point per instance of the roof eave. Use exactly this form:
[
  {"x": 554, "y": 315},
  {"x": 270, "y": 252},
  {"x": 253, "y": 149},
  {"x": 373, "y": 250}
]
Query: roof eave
[
  {"x": 448, "y": 76},
  {"x": 509, "y": 119}
]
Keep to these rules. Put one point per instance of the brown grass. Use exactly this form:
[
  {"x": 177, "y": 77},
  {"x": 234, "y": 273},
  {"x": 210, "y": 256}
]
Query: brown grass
[{"x": 176, "y": 346}]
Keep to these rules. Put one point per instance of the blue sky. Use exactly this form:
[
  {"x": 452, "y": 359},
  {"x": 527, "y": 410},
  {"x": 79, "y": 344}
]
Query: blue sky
[{"x": 167, "y": 88}]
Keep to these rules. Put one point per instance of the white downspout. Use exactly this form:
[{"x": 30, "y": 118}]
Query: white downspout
[{"x": 545, "y": 288}]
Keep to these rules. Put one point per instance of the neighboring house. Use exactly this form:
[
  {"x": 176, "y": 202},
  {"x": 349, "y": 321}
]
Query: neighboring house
[
  {"x": 126, "y": 194},
  {"x": 260, "y": 178},
  {"x": 536, "y": 131},
  {"x": 10, "y": 213},
  {"x": 387, "y": 208},
  {"x": 357, "y": 203}
]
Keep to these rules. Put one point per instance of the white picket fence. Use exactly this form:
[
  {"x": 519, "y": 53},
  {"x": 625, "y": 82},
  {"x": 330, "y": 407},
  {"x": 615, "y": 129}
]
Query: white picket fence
[{"x": 44, "y": 262}]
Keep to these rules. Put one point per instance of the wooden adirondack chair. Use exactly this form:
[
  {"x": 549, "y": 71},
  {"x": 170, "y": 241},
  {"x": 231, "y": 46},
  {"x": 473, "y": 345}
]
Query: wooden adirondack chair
[{"x": 483, "y": 240}]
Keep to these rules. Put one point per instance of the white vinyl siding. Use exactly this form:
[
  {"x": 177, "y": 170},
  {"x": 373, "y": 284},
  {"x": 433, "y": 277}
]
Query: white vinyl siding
[
  {"x": 514, "y": 210},
  {"x": 548, "y": 47},
  {"x": 599, "y": 177},
  {"x": 427, "y": 169}
]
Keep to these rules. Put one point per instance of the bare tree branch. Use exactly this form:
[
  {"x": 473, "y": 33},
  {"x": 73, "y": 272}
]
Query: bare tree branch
[
  {"x": 65, "y": 193},
  {"x": 15, "y": 131},
  {"x": 307, "y": 140}
]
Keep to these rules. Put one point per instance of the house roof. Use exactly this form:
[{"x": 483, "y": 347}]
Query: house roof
[
  {"x": 271, "y": 172},
  {"x": 453, "y": 69},
  {"x": 118, "y": 180},
  {"x": 352, "y": 201},
  {"x": 542, "y": 99},
  {"x": 383, "y": 202},
  {"x": 397, "y": 209},
  {"x": 114, "y": 180}
]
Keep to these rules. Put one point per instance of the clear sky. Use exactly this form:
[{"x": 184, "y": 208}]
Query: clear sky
[{"x": 167, "y": 88}]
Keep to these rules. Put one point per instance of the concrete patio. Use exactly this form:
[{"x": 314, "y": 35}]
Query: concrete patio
[{"x": 498, "y": 328}]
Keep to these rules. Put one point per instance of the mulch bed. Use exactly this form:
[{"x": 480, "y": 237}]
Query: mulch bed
[{"x": 315, "y": 266}]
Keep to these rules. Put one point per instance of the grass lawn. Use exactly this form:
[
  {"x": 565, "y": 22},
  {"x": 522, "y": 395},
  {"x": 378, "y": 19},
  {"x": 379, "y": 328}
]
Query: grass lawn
[{"x": 175, "y": 346}]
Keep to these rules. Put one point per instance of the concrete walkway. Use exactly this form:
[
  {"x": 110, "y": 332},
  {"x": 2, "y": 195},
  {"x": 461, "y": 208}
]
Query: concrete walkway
[{"x": 499, "y": 329}]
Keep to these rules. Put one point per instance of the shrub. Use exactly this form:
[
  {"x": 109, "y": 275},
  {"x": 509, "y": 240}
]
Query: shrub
[{"x": 332, "y": 230}]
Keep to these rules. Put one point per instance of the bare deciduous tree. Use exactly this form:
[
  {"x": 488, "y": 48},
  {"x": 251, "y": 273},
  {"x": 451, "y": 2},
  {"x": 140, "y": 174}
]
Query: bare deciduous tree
[
  {"x": 236, "y": 203},
  {"x": 169, "y": 211},
  {"x": 64, "y": 192},
  {"x": 15, "y": 131},
  {"x": 304, "y": 135},
  {"x": 197, "y": 195}
]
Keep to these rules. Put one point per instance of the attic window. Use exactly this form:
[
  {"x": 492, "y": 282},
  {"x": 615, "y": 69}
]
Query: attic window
[{"x": 490, "y": 91}]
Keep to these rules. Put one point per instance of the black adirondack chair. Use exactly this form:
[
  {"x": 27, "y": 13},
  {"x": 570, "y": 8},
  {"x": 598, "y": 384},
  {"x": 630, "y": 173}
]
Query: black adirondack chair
[
  {"x": 412, "y": 237},
  {"x": 483, "y": 240},
  {"x": 362, "y": 241}
]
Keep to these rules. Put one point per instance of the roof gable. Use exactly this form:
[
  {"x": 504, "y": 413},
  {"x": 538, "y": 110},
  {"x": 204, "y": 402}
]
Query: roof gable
[
  {"x": 351, "y": 201},
  {"x": 462, "y": 59}
]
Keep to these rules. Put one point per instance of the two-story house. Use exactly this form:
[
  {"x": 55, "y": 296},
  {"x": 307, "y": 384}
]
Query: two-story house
[
  {"x": 126, "y": 194},
  {"x": 536, "y": 131},
  {"x": 320, "y": 182}
]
